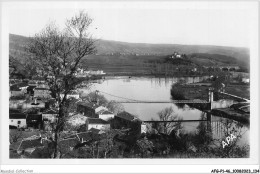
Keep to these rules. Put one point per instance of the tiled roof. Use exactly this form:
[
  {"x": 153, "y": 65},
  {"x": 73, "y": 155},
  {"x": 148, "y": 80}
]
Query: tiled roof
[
  {"x": 14, "y": 88},
  {"x": 90, "y": 105},
  {"x": 87, "y": 104},
  {"x": 67, "y": 143},
  {"x": 14, "y": 111},
  {"x": 50, "y": 111},
  {"x": 30, "y": 144},
  {"x": 41, "y": 89},
  {"x": 86, "y": 136},
  {"x": 34, "y": 117},
  {"x": 17, "y": 116},
  {"x": 104, "y": 112},
  {"x": 127, "y": 116},
  {"x": 96, "y": 121},
  {"x": 23, "y": 84}
]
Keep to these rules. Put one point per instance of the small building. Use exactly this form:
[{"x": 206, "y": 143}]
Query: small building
[
  {"x": 42, "y": 92},
  {"x": 34, "y": 121},
  {"x": 18, "y": 120},
  {"x": 50, "y": 115},
  {"x": 30, "y": 90},
  {"x": 98, "y": 123},
  {"x": 143, "y": 128},
  {"x": 27, "y": 146},
  {"x": 72, "y": 94},
  {"x": 77, "y": 120},
  {"x": 15, "y": 91},
  {"x": 245, "y": 80},
  {"x": 126, "y": 120},
  {"x": 87, "y": 109},
  {"x": 105, "y": 115},
  {"x": 99, "y": 108}
]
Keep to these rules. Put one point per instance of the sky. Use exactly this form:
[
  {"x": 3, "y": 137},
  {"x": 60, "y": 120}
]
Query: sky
[{"x": 197, "y": 23}]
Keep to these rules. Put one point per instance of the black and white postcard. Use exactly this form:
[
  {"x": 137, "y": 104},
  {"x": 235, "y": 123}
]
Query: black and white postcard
[{"x": 130, "y": 82}]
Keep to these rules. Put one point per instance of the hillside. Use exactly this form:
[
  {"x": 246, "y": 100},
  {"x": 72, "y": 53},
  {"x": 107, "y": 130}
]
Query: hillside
[{"x": 115, "y": 57}]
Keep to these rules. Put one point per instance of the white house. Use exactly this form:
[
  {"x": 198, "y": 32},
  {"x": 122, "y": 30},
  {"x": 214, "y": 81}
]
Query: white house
[
  {"x": 98, "y": 123},
  {"x": 245, "y": 80},
  {"x": 143, "y": 128},
  {"x": 105, "y": 115},
  {"x": 18, "y": 120}
]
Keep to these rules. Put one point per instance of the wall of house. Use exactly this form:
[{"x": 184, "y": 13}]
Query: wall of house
[
  {"x": 106, "y": 116},
  {"x": 143, "y": 128},
  {"x": 99, "y": 126},
  {"x": 49, "y": 117},
  {"x": 14, "y": 122},
  {"x": 86, "y": 111},
  {"x": 42, "y": 93}
]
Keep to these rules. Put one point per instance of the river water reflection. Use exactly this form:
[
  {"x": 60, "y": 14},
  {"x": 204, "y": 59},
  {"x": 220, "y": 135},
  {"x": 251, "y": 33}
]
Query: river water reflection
[{"x": 153, "y": 89}]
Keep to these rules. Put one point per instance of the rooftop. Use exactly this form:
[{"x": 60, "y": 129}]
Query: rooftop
[
  {"x": 17, "y": 116},
  {"x": 89, "y": 105},
  {"x": 127, "y": 116},
  {"x": 104, "y": 112},
  {"x": 30, "y": 144},
  {"x": 97, "y": 121},
  {"x": 50, "y": 111}
]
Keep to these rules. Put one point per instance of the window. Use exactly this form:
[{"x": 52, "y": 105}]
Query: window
[{"x": 18, "y": 122}]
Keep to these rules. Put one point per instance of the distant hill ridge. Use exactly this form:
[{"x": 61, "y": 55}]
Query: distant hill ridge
[{"x": 17, "y": 44}]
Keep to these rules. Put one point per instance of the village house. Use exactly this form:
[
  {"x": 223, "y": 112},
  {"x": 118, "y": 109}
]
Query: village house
[
  {"x": 245, "y": 80},
  {"x": 77, "y": 120},
  {"x": 38, "y": 80},
  {"x": 50, "y": 115},
  {"x": 98, "y": 123},
  {"x": 17, "y": 120},
  {"x": 34, "y": 121},
  {"x": 105, "y": 115},
  {"x": 87, "y": 109},
  {"x": 15, "y": 91},
  {"x": 30, "y": 90},
  {"x": 18, "y": 89},
  {"x": 72, "y": 94},
  {"x": 127, "y": 120},
  {"x": 28, "y": 145},
  {"x": 42, "y": 92}
]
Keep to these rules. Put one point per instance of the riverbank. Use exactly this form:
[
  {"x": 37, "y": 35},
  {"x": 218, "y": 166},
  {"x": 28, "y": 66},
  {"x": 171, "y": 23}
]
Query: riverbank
[{"x": 232, "y": 114}]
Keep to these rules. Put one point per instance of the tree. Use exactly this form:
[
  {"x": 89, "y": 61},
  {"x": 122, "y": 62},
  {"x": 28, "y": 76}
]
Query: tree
[
  {"x": 58, "y": 53},
  {"x": 167, "y": 115},
  {"x": 101, "y": 100},
  {"x": 15, "y": 136}
]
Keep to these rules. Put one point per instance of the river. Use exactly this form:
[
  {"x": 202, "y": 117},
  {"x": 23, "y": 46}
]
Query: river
[{"x": 154, "y": 89}]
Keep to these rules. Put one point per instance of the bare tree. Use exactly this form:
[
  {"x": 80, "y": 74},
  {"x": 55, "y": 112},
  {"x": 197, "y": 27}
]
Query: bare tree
[
  {"x": 168, "y": 115},
  {"x": 57, "y": 54},
  {"x": 15, "y": 136}
]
